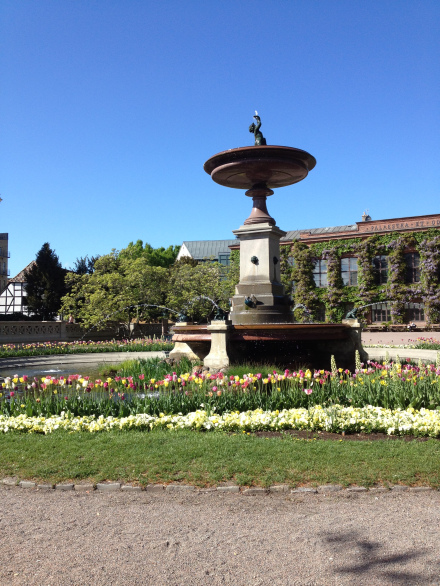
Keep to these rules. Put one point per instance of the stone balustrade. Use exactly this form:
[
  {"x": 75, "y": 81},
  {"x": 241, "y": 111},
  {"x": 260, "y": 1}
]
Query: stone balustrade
[{"x": 27, "y": 332}]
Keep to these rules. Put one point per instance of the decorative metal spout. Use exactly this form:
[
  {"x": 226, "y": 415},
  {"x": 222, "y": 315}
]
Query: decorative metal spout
[
  {"x": 220, "y": 315},
  {"x": 352, "y": 314},
  {"x": 182, "y": 317},
  {"x": 255, "y": 128}
]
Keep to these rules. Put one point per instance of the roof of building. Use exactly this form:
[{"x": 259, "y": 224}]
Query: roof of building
[
  {"x": 207, "y": 248},
  {"x": 199, "y": 249},
  {"x": 295, "y": 234},
  {"x": 20, "y": 277}
]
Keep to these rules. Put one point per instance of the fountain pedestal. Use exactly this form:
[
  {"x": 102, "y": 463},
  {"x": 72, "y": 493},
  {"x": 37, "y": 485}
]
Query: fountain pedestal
[
  {"x": 181, "y": 349},
  {"x": 259, "y": 297}
]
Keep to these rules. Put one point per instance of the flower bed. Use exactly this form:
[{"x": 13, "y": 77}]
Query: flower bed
[
  {"x": 389, "y": 397},
  {"x": 82, "y": 347},
  {"x": 419, "y": 344},
  {"x": 333, "y": 419}
]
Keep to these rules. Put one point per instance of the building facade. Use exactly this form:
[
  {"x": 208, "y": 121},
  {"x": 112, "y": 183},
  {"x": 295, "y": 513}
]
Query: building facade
[
  {"x": 389, "y": 270},
  {"x": 13, "y": 297}
]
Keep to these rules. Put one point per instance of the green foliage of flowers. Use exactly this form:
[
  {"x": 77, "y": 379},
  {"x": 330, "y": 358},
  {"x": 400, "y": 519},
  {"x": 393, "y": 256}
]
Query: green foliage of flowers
[{"x": 83, "y": 347}]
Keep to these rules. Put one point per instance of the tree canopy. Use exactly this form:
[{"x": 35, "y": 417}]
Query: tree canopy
[
  {"x": 110, "y": 292},
  {"x": 189, "y": 286},
  {"x": 125, "y": 285},
  {"x": 84, "y": 265},
  {"x": 154, "y": 257}
]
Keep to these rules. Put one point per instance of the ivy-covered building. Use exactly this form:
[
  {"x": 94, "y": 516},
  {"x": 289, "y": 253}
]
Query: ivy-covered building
[{"x": 391, "y": 266}]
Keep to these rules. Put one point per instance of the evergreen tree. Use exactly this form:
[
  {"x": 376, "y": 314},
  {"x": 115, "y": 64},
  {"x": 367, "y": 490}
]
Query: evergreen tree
[{"x": 45, "y": 284}]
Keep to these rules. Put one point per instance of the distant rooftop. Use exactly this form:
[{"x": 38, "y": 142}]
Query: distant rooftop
[
  {"x": 20, "y": 277},
  {"x": 200, "y": 249},
  {"x": 295, "y": 234}
]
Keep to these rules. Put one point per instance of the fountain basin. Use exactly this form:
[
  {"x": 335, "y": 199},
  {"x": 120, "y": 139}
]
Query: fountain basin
[
  {"x": 286, "y": 345},
  {"x": 247, "y": 167}
]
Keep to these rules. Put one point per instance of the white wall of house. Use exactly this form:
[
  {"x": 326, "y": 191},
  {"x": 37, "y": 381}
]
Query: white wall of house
[{"x": 11, "y": 299}]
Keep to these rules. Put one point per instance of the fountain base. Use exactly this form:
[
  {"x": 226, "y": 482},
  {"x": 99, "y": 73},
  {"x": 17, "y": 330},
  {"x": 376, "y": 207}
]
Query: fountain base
[{"x": 286, "y": 345}]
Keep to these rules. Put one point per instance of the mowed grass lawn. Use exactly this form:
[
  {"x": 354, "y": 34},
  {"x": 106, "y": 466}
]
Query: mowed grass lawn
[{"x": 206, "y": 459}]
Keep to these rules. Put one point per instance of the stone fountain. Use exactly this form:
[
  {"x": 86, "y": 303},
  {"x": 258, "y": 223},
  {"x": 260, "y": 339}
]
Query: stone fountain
[{"x": 260, "y": 325}]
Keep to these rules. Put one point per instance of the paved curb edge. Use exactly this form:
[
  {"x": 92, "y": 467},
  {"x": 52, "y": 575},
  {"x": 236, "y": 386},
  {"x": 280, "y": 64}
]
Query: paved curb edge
[{"x": 236, "y": 489}]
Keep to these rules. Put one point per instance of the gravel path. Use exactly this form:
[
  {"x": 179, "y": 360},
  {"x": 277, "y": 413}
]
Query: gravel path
[{"x": 67, "y": 538}]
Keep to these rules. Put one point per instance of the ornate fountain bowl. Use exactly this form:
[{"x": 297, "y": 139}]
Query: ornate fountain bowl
[
  {"x": 268, "y": 166},
  {"x": 259, "y": 169}
]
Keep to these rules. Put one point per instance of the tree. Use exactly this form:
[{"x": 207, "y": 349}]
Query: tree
[
  {"x": 154, "y": 257},
  {"x": 84, "y": 265},
  {"x": 45, "y": 284},
  {"x": 189, "y": 285},
  {"x": 119, "y": 289}
]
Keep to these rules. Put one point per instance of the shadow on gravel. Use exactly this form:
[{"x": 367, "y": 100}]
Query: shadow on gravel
[{"x": 372, "y": 563}]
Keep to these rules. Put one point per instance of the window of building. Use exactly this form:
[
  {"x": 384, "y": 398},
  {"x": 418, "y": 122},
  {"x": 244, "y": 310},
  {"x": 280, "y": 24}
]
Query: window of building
[
  {"x": 412, "y": 260},
  {"x": 415, "y": 312},
  {"x": 320, "y": 273},
  {"x": 224, "y": 258},
  {"x": 349, "y": 270},
  {"x": 381, "y": 312},
  {"x": 380, "y": 267}
]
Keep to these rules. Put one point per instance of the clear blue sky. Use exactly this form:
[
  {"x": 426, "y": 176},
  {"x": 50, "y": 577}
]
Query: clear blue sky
[{"x": 108, "y": 110}]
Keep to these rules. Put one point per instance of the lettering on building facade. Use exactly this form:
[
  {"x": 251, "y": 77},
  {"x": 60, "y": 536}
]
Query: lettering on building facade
[{"x": 378, "y": 227}]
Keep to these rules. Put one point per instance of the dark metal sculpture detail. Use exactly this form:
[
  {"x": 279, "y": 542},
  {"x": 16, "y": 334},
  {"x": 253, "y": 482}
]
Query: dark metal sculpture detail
[
  {"x": 255, "y": 128},
  {"x": 182, "y": 317},
  {"x": 220, "y": 315},
  {"x": 352, "y": 314},
  {"x": 248, "y": 302}
]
